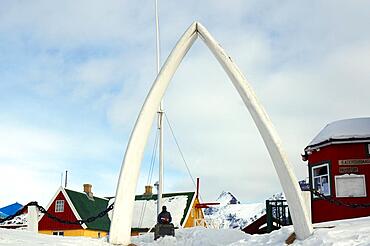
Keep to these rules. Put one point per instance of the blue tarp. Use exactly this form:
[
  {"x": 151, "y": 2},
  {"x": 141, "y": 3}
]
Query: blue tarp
[
  {"x": 2, "y": 215},
  {"x": 11, "y": 209}
]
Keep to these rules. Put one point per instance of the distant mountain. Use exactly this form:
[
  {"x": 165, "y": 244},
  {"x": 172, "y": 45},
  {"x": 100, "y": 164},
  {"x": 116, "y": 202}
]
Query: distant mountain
[
  {"x": 226, "y": 198},
  {"x": 232, "y": 214}
]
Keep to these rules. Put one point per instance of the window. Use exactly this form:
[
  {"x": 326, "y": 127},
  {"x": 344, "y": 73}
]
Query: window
[
  {"x": 58, "y": 233},
  {"x": 350, "y": 185},
  {"x": 320, "y": 179},
  {"x": 59, "y": 206},
  {"x": 368, "y": 149}
]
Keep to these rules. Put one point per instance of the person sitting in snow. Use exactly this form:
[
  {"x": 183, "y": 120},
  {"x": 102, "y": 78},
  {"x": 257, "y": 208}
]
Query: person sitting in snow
[{"x": 164, "y": 217}]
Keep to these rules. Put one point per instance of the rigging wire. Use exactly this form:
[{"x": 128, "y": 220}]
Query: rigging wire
[
  {"x": 180, "y": 151},
  {"x": 150, "y": 175},
  {"x": 154, "y": 155}
]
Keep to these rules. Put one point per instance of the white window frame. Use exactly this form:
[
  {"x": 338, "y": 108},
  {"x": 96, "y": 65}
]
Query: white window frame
[
  {"x": 321, "y": 176},
  {"x": 350, "y": 177},
  {"x": 59, "y": 206}
]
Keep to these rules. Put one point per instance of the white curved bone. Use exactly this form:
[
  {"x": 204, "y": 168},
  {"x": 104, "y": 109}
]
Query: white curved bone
[{"x": 125, "y": 195}]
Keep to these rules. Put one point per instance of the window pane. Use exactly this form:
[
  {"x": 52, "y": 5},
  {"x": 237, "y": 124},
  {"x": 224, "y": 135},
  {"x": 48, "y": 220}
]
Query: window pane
[
  {"x": 325, "y": 185},
  {"x": 320, "y": 179},
  {"x": 320, "y": 171},
  {"x": 316, "y": 172},
  {"x": 59, "y": 206},
  {"x": 323, "y": 170},
  {"x": 317, "y": 184}
]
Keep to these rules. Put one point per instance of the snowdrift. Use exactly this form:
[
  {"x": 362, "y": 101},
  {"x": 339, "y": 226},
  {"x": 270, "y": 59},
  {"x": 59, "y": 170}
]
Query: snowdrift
[{"x": 345, "y": 232}]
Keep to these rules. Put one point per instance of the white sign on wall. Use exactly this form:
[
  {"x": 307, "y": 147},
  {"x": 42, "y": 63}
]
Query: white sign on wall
[{"x": 350, "y": 185}]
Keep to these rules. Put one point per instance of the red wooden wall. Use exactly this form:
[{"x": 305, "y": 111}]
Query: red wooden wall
[
  {"x": 48, "y": 224},
  {"x": 325, "y": 211}
]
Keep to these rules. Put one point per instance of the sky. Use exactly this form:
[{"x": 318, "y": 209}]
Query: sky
[{"x": 74, "y": 75}]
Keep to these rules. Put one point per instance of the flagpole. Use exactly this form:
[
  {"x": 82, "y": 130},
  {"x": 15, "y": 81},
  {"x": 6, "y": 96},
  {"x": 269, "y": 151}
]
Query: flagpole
[{"x": 160, "y": 117}]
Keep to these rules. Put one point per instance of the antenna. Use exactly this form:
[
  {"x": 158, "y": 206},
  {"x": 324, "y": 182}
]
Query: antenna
[{"x": 65, "y": 180}]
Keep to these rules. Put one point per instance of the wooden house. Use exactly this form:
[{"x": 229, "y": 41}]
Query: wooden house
[
  {"x": 339, "y": 167},
  {"x": 72, "y": 205}
]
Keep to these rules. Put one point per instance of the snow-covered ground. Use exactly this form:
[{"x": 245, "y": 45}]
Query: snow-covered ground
[
  {"x": 345, "y": 232},
  {"x": 21, "y": 238},
  {"x": 19, "y": 220}
]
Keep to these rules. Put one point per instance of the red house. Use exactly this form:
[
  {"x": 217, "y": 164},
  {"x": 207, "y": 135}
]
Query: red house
[
  {"x": 73, "y": 205},
  {"x": 339, "y": 167}
]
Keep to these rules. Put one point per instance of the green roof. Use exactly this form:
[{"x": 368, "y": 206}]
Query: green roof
[
  {"x": 87, "y": 208},
  {"x": 190, "y": 196}
]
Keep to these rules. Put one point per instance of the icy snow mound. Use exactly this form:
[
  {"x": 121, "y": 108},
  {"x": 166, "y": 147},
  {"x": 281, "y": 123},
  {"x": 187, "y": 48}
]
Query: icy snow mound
[
  {"x": 16, "y": 221},
  {"x": 194, "y": 236},
  {"x": 22, "y": 238},
  {"x": 345, "y": 232}
]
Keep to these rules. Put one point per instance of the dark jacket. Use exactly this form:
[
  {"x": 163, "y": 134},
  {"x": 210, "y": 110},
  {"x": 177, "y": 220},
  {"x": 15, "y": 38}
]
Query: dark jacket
[{"x": 164, "y": 217}]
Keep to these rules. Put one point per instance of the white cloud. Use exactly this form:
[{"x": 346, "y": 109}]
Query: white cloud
[
  {"x": 308, "y": 63},
  {"x": 24, "y": 184},
  {"x": 23, "y": 143}
]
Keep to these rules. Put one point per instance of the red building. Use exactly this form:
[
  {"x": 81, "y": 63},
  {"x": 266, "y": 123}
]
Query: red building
[
  {"x": 71, "y": 206},
  {"x": 339, "y": 167}
]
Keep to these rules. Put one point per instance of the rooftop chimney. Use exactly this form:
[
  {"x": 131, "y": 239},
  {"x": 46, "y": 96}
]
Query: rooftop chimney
[
  {"x": 87, "y": 190},
  {"x": 148, "y": 190}
]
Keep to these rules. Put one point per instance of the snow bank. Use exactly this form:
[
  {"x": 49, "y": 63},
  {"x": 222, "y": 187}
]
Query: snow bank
[
  {"x": 345, "y": 232},
  {"x": 23, "y": 237},
  {"x": 20, "y": 220},
  {"x": 194, "y": 236}
]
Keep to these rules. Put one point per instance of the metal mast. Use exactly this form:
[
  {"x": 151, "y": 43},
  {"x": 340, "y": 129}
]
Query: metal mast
[{"x": 160, "y": 118}]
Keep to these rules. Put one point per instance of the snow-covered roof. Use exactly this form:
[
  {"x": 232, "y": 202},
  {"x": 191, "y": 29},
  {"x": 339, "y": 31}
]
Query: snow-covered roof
[
  {"x": 2, "y": 215},
  {"x": 11, "y": 209},
  {"x": 145, "y": 209},
  {"x": 343, "y": 131}
]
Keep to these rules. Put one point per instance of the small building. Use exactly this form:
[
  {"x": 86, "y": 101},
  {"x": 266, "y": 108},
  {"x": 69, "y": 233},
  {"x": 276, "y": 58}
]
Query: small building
[
  {"x": 17, "y": 222},
  {"x": 72, "y": 205},
  {"x": 339, "y": 167},
  {"x": 183, "y": 207},
  {"x": 10, "y": 209}
]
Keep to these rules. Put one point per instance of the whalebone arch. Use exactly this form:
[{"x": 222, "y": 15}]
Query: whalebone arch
[{"x": 125, "y": 195}]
